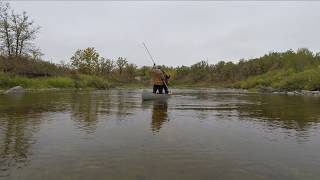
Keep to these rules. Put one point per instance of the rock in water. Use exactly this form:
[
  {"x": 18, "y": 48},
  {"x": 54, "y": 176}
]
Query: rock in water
[
  {"x": 266, "y": 89},
  {"x": 15, "y": 90}
]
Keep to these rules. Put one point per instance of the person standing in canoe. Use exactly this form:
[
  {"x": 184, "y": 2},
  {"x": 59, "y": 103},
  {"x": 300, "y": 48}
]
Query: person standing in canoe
[
  {"x": 166, "y": 81},
  {"x": 157, "y": 79}
]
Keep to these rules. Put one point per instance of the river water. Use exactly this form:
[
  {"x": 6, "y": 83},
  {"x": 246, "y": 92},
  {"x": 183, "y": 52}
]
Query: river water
[{"x": 196, "y": 134}]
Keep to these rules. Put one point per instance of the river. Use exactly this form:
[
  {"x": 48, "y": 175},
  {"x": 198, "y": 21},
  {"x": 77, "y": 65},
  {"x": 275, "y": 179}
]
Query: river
[{"x": 196, "y": 134}]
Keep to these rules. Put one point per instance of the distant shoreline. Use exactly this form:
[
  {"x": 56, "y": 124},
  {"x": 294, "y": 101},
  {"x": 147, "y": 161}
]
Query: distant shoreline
[{"x": 139, "y": 86}]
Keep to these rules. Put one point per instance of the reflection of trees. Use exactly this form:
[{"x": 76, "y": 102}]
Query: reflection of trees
[
  {"x": 124, "y": 103},
  {"x": 20, "y": 117},
  {"x": 121, "y": 104},
  {"x": 159, "y": 115},
  {"x": 290, "y": 112},
  {"x": 84, "y": 110},
  {"x": 88, "y": 107},
  {"x": 16, "y": 142}
]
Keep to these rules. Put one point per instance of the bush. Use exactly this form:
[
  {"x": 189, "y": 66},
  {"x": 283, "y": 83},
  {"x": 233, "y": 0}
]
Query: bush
[
  {"x": 31, "y": 68},
  {"x": 60, "y": 82},
  {"x": 290, "y": 80},
  {"x": 82, "y": 81},
  {"x": 308, "y": 80},
  {"x": 7, "y": 81}
]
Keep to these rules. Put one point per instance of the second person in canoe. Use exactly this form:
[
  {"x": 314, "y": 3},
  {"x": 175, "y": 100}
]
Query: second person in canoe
[{"x": 166, "y": 81}]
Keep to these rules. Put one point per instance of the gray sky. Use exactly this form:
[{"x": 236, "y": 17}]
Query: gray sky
[{"x": 177, "y": 33}]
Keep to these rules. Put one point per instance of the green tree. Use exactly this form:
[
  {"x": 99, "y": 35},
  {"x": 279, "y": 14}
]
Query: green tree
[
  {"x": 86, "y": 61},
  {"x": 121, "y": 63},
  {"x": 106, "y": 66},
  {"x": 130, "y": 71},
  {"x": 182, "y": 72},
  {"x": 199, "y": 71}
]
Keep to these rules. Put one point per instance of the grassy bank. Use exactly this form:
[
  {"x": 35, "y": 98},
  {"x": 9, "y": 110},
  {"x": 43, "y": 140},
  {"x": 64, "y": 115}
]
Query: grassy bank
[
  {"x": 76, "y": 81},
  {"x": 283, "y": 71},
  {"x": 285, "y": 80},
  {"x": 37, "y": 74}
]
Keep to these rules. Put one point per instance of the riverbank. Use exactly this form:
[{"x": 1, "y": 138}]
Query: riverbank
[
  {"x": 140, "y": 86},
  {"x": 281, "y": 72},
  {"x": 296, "y": 92},
  {"x": 76, "y": 81},
  {"x": 92, "y": 82}
]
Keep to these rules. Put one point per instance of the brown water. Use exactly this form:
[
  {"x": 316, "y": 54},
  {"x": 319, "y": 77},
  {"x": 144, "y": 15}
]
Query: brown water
[{"x": 196, "y": 134}]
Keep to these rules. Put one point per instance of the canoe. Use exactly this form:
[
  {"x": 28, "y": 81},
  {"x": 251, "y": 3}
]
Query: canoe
[{"x": 152, "y": 96}]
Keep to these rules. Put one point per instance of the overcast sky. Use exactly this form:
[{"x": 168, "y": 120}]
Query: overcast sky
[{"x": 177, "y": 33}]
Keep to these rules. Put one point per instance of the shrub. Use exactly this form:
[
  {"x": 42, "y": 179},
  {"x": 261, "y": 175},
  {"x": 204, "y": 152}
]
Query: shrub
[
  {"x": 31, "y": 68},
  {"x": 82, "y": 81},
  {"x": 60, "y": 82},
  {"x": 8, "y": 81}
]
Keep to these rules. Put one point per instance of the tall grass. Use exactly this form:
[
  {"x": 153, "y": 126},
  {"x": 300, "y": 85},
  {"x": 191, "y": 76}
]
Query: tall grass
[
  {"x": 59, "y": 82},
  {"x": 309, "y": 79},
  {"x": 83, "y": 81}
]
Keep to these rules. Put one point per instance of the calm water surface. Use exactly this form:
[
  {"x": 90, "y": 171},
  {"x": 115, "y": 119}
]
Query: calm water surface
[{"x": 196, "y": 134}]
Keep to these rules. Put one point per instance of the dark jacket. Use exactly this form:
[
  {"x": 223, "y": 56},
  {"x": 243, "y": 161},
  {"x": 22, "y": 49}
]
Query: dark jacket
[{"x": 166, "y": 77}]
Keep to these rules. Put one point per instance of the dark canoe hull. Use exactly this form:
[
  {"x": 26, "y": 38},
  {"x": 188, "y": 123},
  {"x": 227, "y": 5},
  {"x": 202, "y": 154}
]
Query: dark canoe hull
[{"x": 152, "y": 96}]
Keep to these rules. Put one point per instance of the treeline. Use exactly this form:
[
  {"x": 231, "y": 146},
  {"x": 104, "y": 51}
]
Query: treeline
[
  {"x": 282, "y": 70},
  {"x": 229, "y": 72},
  {"x": 89, "y": 61},
  {"x": 290, "y": 70}
]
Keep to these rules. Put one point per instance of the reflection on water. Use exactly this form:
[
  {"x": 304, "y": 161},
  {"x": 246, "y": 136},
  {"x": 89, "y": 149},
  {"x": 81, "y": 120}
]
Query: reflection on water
[
  {"x": 291, "y": 112},
  {"x": 159, "y": 115},
  {"x": 20, "y": 118},
  {"x": 85, "y": 111},
  {"x": 204, "y": 134}
]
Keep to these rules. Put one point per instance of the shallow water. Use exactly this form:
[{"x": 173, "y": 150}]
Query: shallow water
[{"x": 196, "y": 134}]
